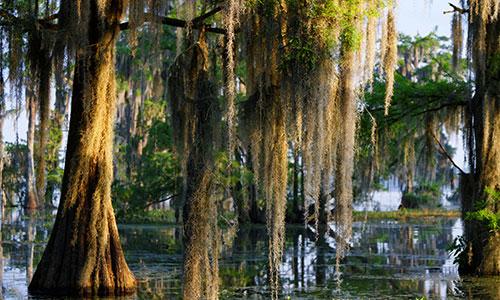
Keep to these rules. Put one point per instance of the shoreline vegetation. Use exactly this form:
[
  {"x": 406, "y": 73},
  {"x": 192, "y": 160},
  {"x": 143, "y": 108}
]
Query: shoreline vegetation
[
  {"x": 167, "y": 216},
  {"x": 404, "y": 214}
]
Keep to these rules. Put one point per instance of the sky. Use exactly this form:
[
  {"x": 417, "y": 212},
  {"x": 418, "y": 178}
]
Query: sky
[
  {"x": 422, "y": 16},
  {"x": 413, "y": 16}
]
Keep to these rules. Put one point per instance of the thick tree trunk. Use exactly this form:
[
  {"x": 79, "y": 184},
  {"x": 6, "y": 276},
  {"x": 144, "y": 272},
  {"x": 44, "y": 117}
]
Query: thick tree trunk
[
  {"x": 31, "y": 194},
  {"x": 84, "y": 255},
  {"x": 482, "y": 253}
]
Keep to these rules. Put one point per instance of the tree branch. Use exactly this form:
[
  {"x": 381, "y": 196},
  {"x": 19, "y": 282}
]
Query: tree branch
[
  {"x": 446, "y": 154},
  {"x": 203, "y": 17},
  {"x": 160, "y": 201},
  {"x": 410, "y": 112},
  {"x": 196, "y": 23},
  {"x": 27, "y": 24},
  {"x": 456, "y": 9},
  {"x": 8, "y": 19}
]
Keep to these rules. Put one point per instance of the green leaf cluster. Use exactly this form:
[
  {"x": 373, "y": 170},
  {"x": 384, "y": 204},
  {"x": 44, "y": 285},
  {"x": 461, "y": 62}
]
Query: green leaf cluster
[{"x": 483, "y": 211}]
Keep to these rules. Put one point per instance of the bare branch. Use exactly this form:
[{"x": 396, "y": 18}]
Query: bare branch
[
  {"x": 456, "y": 9},
  {"x": 175, "y": 23},
  {"x": 160, "y": 201},
  {"x": 8, "y": 19},
  {"x": 446, "y": 154},
  {"x": 196, "y": 23}
]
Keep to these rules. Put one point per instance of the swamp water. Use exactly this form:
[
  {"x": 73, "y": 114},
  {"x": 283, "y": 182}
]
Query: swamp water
[{"x": 388, "y": 260}]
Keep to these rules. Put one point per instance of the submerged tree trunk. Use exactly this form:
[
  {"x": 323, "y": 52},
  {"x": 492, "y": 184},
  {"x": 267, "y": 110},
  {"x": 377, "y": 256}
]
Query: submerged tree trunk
[
  {"x": 30, "y": 246},
  {"x": 84, "y": 255},
  {"x": 480, "y": 190}
]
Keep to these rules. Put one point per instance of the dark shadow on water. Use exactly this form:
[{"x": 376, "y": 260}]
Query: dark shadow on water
[{"x": 388, "y": 260}]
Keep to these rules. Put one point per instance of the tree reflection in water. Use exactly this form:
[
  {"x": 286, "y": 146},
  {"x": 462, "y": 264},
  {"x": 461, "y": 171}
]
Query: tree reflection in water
[{"x": 387, "y": 259}]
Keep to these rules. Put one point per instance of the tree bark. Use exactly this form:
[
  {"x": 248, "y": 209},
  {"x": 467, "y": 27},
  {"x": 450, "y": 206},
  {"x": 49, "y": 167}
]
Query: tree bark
[
  {"x": 84, "y": 256},
  {"x": 482, "y": 253}
]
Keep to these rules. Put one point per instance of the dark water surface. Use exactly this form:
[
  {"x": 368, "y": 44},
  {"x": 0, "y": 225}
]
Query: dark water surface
[{"x": 387, "y": 260}]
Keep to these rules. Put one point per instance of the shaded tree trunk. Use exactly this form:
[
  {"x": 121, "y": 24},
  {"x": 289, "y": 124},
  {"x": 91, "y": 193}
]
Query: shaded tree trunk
[
  {"x": 482, "y": 253},
  {"x": 84, "y": 255},
  {"x": 44, "y": 105},
  {"x": 190, "y": 85}
]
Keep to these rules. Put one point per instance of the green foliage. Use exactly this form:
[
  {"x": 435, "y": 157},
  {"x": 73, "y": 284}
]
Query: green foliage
[
  {"x": 157, "y": 178},
  {"x": 411, "y": 102},
  {"x": 494, "y": 64},
  {"x": 230, "y": 172},
  {"x": 484, "y": 210},
  {"x": 431, "y": 92},
  {"x": 157, "y": 174},
  {"x": 413, "y": 200},
  {"x": 54, "y": 171},
  {"x": 14, "y": 171},
  {"x": 302, "y": 51},
  {"x": 54, "y": 176},
  {"x": 426, "y": 195}
]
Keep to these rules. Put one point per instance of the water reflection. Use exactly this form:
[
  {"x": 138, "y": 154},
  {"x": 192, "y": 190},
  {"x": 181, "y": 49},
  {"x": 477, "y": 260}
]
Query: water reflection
[{"x": 388, "y": 259}]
